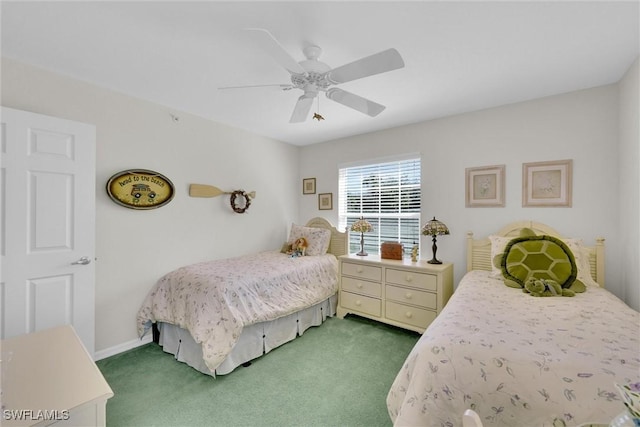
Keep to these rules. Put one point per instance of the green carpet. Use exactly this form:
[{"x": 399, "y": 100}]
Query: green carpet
[{"x": 336, "y": 374}]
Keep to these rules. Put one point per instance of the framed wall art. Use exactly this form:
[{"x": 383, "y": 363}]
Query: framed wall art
[
  {"x": 547, "y": 183},
  {"x": 485, "y": 186},
  {"x": 309, "y": 186},
  {"x": 325, "y": 201}
]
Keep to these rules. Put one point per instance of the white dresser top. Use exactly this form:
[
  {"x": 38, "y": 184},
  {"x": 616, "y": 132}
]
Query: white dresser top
[
  {"x": 49, "y": 370},
  {"x": 404, "y": 263}
]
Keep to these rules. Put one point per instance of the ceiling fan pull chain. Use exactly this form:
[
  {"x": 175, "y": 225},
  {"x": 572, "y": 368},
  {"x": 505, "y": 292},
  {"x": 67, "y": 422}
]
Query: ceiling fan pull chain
[{"x": 317, "y": 115}]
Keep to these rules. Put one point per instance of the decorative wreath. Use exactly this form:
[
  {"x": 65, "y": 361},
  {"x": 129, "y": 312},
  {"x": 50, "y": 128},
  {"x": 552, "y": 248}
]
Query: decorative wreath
[{"x": 247, "y": 201}]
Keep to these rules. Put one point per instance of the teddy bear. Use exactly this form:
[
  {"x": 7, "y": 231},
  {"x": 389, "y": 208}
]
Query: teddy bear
[{"x": 545, "y": 288}]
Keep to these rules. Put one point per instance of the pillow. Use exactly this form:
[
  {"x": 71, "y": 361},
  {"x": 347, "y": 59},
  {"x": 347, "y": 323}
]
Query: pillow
[
  {"x": 318, "y": 238},
  {"x": 581, "y": 255},
  {"x": 498, "y": 243},
  {"x": 543, "y": 257}
]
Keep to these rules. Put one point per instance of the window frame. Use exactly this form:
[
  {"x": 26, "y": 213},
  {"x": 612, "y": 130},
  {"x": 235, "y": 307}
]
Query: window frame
[{"x": 410, "y": 164}]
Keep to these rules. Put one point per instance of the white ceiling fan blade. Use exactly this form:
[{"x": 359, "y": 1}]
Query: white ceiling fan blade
[
  {"x": 381, "y": 62},
  {"x": 356, "y": 102},
  {"x": 281, "y": 86},
  {"x": 301, "y": 110},
  {"x": 269, "y": 43}
]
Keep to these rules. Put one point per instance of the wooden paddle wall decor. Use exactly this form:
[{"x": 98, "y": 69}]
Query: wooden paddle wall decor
[{"x": 203, "y": 190}]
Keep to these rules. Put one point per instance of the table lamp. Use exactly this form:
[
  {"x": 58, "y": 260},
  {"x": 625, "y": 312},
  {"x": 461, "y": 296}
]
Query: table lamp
[
  {"x": 434, "y": 228},
  {"x": 361, "y": 226}
]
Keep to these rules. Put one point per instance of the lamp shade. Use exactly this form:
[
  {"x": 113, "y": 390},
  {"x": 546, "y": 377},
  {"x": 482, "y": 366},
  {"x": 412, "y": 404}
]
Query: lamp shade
[
  {"x": 434, "y": 228},
  {"x": 361, "y": 226}
]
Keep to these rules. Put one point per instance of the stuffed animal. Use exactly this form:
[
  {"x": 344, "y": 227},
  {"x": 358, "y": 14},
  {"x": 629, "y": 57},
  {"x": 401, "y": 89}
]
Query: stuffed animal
[
  {"x": 299, "y": 247},
  {"x": 540, "y": 257},
  {"x": 545, "y": 288}
]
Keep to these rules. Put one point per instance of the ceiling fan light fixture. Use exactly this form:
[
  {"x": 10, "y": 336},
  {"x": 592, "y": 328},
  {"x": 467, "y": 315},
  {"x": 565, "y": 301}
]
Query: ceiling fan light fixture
[{"x": 310, "y": 90}]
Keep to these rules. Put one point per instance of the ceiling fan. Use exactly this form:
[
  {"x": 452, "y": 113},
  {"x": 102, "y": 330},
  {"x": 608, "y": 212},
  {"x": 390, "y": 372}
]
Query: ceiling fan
[{"x": 313, "y": 76}]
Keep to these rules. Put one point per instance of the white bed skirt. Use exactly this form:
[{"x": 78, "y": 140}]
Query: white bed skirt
[{"x": 255, "y": 340}]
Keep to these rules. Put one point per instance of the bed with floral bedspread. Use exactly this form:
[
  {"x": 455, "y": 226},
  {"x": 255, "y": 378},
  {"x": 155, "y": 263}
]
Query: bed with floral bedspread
[
  {"x": 218, "y": 315},
  {"x": 215, "y": 300},
  {"x": 519, "y": 360}
]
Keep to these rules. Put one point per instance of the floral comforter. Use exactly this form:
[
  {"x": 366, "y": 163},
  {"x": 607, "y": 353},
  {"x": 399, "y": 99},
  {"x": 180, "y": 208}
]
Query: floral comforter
[
  {"x": 519, "y": 360},
  {"x": 214, "y": 300}
]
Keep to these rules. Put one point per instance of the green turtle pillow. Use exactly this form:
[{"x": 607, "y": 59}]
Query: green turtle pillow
[{"x": 542, "y": 257}]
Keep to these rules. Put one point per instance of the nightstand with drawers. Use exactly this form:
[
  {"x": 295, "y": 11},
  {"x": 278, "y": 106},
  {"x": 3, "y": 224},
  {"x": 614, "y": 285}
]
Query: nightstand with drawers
[{"x": 398, "y": 292}]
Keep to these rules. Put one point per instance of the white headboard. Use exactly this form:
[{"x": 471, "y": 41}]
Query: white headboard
[
  {"x": 479, "y": 251},
  {"x": 339, "y": 239}
]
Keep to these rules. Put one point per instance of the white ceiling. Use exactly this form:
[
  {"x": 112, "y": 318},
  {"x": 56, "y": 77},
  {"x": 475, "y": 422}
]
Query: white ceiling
[{"x": 459, "y": 56}]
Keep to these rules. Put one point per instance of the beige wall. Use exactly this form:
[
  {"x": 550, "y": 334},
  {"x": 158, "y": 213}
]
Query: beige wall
[
  {"x": 629, "y": 154},
  {"x": 134, "y": 248},
  {"x": 581, "y": 125}
]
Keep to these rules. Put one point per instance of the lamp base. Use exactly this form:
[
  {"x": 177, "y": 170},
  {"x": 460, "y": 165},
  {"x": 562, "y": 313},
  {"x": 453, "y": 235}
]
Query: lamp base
[
  {"x": 434, "y": 248},
  {"x": 362, "y": 252}
]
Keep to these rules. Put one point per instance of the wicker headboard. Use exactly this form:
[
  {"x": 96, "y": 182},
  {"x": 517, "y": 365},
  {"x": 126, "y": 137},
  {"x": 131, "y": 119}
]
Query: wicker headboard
[
  {"x": 479, "y": 251},
  {"x": 339, "y": 239}
]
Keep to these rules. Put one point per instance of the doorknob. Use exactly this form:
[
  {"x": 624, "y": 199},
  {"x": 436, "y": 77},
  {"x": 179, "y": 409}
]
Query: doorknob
[{"x": 82, "y": 261}]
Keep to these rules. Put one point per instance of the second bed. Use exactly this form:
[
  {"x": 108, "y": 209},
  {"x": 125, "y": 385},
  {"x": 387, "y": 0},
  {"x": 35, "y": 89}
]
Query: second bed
[{"x": 220, "y": 314}]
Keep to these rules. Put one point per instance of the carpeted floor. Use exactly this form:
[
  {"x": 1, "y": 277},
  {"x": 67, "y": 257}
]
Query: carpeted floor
[{"x": 336, "y": 374}]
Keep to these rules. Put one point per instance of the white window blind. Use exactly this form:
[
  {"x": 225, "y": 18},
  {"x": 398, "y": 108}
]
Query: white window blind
[{"x": 385, "y": 194}]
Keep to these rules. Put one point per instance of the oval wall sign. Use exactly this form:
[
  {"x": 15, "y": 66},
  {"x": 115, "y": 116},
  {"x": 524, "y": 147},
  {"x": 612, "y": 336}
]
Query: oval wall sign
[{"x": 140, "y": 189}]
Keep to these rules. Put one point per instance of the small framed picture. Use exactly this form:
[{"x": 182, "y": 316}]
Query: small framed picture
[
  {"x": 485, "y": 186},
  {"x": 309, "y": 186},
  {"x": 547, "y": 183},
  {"x": 325, "y": 201}
]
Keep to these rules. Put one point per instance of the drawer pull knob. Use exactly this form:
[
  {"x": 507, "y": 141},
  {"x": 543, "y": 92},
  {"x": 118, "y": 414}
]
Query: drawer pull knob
[
  {"x": 359, "y": 285},
  {"x": 409, "y": 278},
  {"x": 409, "y": 314},
  {"x": 408, "y": 295}
]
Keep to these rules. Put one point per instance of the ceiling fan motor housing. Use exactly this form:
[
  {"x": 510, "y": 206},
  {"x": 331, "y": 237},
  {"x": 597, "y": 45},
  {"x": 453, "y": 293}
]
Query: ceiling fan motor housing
[{"x": 315, "y": 76}]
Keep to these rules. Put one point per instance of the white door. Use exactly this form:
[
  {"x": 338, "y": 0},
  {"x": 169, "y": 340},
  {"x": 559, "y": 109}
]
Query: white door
[{"x": 48, "y": 225}]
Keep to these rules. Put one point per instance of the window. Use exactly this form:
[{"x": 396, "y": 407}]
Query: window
[{"x": 385, "y": 194}]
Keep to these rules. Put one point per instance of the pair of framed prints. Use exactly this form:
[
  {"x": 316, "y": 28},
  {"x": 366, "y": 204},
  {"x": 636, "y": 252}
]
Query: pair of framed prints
[
  {"x": 325, "y": 200},
  {"x": 543, "y": 184}
]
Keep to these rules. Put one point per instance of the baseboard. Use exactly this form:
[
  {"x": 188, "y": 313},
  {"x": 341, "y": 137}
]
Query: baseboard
[{"x": 112, "y": 351}]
